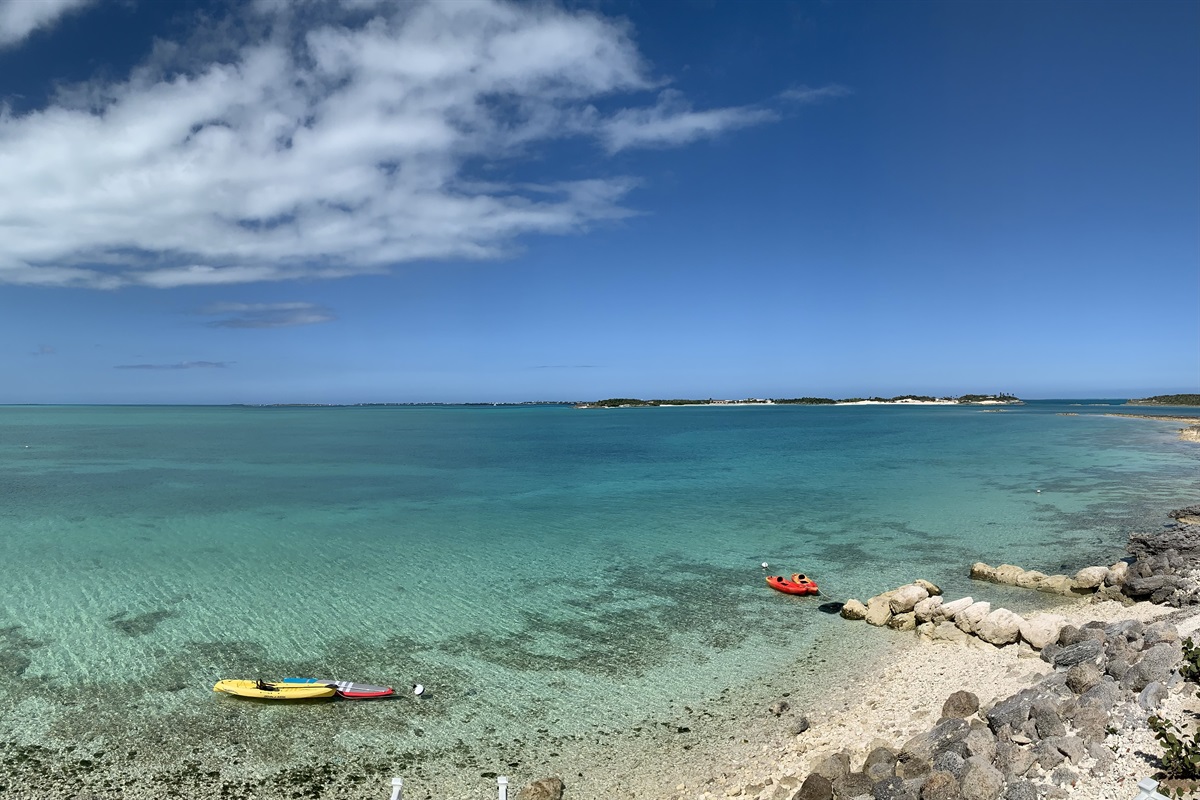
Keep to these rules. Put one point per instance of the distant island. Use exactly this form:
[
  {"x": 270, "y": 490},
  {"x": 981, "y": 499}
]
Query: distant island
[
  {"x": 907, "y": 399},
  {"x": 1167, "y": 400}
]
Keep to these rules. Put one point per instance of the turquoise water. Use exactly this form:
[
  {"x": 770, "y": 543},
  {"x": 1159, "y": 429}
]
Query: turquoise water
[{"x": 562, "y": 580}]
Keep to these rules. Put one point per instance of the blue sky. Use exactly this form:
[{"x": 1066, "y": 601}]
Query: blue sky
[{"x": 255, "y": 202}]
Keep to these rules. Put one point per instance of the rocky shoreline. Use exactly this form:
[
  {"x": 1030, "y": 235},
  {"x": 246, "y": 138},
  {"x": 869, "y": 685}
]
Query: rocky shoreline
[{"x": 1079, "y": 729}]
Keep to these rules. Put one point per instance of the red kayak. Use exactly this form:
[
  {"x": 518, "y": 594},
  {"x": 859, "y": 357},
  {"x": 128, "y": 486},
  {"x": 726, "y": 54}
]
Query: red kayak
[{"x": 798, "y": 584}]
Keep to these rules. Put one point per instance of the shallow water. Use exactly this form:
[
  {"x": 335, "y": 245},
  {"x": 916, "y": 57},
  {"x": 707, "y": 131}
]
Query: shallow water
[{"x": 564, "y": 581}]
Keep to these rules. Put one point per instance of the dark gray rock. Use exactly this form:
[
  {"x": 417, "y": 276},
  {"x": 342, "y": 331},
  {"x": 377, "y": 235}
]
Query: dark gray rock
[
  {"x": 1102, "y": 756},
  {"x": 1128, "y": 629},
  {"x": 1013, "y": 760},
  {"x": 1082, "y": 677},
  {"x": 1103, "y": 695},
  {"x": 960, "y": 705},
  {"x": 1012, "y": 711},
  {"x": 853, "y": 784},
  {"x": 833, "y": 766},
  {"x": 1139, "y": 587},
  {"x": 1159, "y": 632},
  {"x": 1064, "y": 776},
  {"x": 1046, "y": 719},
  {"x": 1047, "y": 755},
  {"x": 1078, "y": 653},
  {"x": 926, "y": 745},
  {"x": 981, "y": 781},
  {"x": 941, "y": 786},
  {"x": 1049, "y": 651},
  {"x": 1152, "y": 696},
  {"x": 949, "y": 761},
  {"x": 815, "y": 787},
  {"x": 1155, "y": 664},
  {"x": 1118, "y": 666},
  {"x": 980, "y": 741},
  {"x": 799, "y": 724},
  {"x": 1069, "y": 635},
  {"x": 1090, "y": 723},
  {"x": 1020, "y": 790},
  {"x": 1070, "y": 746},
  {"x": 893, "y": 788},
  {"x": 880, "y": 764}
]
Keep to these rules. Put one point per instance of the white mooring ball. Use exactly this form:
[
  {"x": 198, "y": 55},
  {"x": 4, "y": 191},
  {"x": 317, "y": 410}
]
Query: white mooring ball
[{"x": 418, "y": 690}]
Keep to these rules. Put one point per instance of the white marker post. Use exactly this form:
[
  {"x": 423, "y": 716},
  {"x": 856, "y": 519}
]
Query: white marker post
[
  {"x": 397, "y": 789},
  {"x": 502, "y": 787}
]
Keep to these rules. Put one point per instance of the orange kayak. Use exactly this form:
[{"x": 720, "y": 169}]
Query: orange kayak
[{"x": 798, "y": 584}]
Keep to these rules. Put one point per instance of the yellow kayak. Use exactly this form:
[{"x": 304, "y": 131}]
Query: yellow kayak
[{"x": 261, "y": 690}]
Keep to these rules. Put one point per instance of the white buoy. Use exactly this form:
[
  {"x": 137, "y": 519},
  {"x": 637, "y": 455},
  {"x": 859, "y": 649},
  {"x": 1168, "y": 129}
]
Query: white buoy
[
  {"x": 397, "y": 789},
  {"x": 418, "y": 690},
  {"x": 1039, "y": 491},
  {"x": 765, "y": 565}
]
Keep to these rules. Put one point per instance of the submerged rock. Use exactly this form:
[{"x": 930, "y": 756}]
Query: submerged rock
[{"x": 544, "y": 789}]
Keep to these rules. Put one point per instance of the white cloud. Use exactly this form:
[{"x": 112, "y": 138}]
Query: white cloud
[
  {"x": 672, "y": 122},
  {"x": 808, "y": 94},
  {"x": 341, "y": 149},
  {"x": 19, "y": 18},
  {"x": 267, "y": 315}
]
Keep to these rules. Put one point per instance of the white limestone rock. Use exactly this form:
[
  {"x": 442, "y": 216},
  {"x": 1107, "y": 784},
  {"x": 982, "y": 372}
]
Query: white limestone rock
[
  {"x": 1089, "y": 577},
  {"x": 1042, "y": 629},
  {"x": 853, "y": 610},
  {"x": 879, "y": 610},
  {"x": 969, "y": 618},
  {"x": 1000, "y": 627},
  {"x": 926, "y": 608},
  {"x": 905, "y": 598},
  {"x": 948, "y": 611}
]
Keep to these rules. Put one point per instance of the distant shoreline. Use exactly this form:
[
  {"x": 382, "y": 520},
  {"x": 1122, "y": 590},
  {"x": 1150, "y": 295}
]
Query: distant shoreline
[{"x": 1189, "y": 434}]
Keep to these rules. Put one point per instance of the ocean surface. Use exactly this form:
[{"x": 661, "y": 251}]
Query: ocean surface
[{"x": 577, "y": 588}]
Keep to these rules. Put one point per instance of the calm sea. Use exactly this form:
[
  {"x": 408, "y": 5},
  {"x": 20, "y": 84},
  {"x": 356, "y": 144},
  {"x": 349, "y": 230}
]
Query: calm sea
[{"x": 565, "y": 582}]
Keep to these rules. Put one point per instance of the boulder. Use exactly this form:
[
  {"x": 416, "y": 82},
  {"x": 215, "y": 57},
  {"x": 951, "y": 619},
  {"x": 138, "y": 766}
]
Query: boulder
[
  {"x": 892, "y": 788},
  {"x": 1045, "y": 718},
  {"x": 933, "y": 589},
  {"x": 1103, "y": 695},
  {"x": 1088, "y": 650},
  {"x": 906, "y": 597},
  {"x": 815, "y": 787},
  {"x": 903, "y": 622},
  {"x": 833, "y": 766},
  {"x": 1012, "y": 711},
  {"x": 999, "y": 627},
  {"x": 1008, "y": 574},
  {"x": 1013, "y": 759},
  {"x": 1030, "y": 579},
  {"x": 950, "y": 761},
  {"x": 1082, "y": 677},
  {"x": 952, "y": 609},
  {"x": 1116, "y": 574},
  {"x": 1152, "y": 696},
  {"x": 1159, "y": 632},
  {"x": 544, "y": 789},
  {"x": 924, "y": 746},
  {"x": 982, "y": 572},
  {"x": 1146, "y": 587},
  {"x": 879, "y": 611},
  {"x": 1091, "y": 723},
  {"x": 1089, "y": 578},
  {"x": 969, "y": 618},
  {"x": 1020, "y": 789},
  {"x": 960, "y": 705},
  {"x": 941, "y": 786},
  {"x": 926, "y": 608},
  {"x": 853, "y": 609},
  {"x": 981, "y": 781},
  {"x": 980, "y": 741},
  {"x": 853, "y": 784},
  {"x": 1156, "y": 664},
  {"x": 880, "y": 764},
  {"x": 1056, "y": 584},
  {"x": 1042, "y": 629},
  {"x": 947, "y": 631}
]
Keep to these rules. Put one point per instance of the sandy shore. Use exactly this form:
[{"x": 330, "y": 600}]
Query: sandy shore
[{"x": 1189, "y": 434}]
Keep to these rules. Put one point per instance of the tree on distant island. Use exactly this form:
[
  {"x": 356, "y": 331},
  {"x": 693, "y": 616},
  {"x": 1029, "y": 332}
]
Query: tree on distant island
[
  {"x": 1168, "y": 400},
  {"x": 629, "y": 402}
]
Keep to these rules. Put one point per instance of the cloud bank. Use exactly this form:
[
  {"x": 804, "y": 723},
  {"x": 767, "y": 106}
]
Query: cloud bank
[
  {"x": 19, "y": 18},
  {"x": 267, "y": 315},
  {"x": 328, "y": 149}
]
